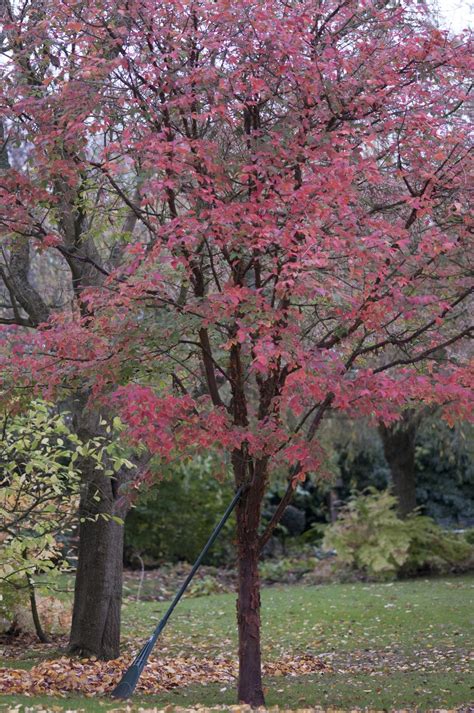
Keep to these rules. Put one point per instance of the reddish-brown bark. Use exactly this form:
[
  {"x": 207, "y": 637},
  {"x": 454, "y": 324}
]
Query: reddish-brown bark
[{"x": 250, "y": 689}]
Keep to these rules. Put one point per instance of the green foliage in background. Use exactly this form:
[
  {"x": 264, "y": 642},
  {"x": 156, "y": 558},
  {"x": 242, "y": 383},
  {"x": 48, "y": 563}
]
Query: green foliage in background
[
  {"x": 370, "y": 537},
  {"x": 360, "y": 457},
  {"x": 444, "y": 466},
  {"x": 38, "y": 498},
  {"x": 158, "y": 527},
  {"x": 173, "y": 520},
  {"x": 444, "y": 462},
  {"x": 432, "y": 548}
]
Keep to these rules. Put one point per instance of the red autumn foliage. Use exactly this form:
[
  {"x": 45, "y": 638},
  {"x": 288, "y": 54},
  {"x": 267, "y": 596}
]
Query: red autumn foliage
[{"x": 295, "y": 179}]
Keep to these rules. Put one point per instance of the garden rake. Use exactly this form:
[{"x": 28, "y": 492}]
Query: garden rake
[{"x": 129, "y": 680}]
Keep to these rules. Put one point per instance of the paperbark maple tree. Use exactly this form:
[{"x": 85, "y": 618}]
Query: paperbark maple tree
[{"x": 298, "y": 172}]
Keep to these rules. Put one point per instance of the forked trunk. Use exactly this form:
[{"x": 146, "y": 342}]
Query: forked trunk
[{"x": 250, "y": 689}]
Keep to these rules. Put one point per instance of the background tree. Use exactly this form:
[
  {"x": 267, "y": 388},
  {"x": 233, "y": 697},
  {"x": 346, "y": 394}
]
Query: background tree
[
  {"x": 398, "y": 441},
  {"x": 43, "y": 274},
  {"x": 399, "y": 446},
  {"x": 298, "y": 173},
  {"x": 444, "y": 472},
  {"x": 39, "y": 491},
  {"x": 442, "y": 456}
]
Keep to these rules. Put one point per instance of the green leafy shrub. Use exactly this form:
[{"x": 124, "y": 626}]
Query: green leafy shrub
[
  {"x": 39, "y": 497},
  {"x": 205, "y": 586},
  {"x": 432, "y": 548},
  {"x": 174, "y": 519},
  {"x": 39, "y": 491},
  {"x": 314, "y": 535},
  {"x": 287, "y": 569},
  {"x": 469, "y": 535},
  {"x": 368, "y": 534},
  {"x": 370, "y": 537},
  {"x": 38, "y": 488},
  {"x": 11, "y": 598}
]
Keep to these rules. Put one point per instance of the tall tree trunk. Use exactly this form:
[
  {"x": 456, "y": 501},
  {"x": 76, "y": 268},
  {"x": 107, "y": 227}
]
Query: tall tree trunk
[
  {"x": 398, "y": 441},
  {"x": 95, "y": 629},
  {"x": 95, "y": 626},
  {"x": 250, "y": 689}
]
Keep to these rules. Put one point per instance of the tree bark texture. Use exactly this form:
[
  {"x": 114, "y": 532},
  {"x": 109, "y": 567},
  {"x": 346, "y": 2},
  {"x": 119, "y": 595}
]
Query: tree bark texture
[
  {"x": 95, "y": 626},
  {"x": 398, "y": 441},
  {"x": 250, "y": 689},
  {"x": 95, "y": 629}
]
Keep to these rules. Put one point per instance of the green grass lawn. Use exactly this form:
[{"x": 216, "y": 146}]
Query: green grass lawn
[{"x": 398, "y": 645}]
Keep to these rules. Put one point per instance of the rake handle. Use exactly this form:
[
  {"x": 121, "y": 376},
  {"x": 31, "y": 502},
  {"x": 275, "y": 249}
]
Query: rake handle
[{"x": 126, "y": 686}]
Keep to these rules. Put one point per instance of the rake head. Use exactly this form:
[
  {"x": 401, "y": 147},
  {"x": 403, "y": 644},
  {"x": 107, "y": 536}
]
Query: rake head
[{"x": 126, "y": 686}]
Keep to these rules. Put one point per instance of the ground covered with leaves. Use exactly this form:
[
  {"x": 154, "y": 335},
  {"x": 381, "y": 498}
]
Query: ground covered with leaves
[
  {"x": 91, "y": 677},
  {"x": 378, "y": 646}
]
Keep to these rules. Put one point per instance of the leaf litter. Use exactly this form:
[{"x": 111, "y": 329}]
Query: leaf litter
[{"x": 92, "y": 677}]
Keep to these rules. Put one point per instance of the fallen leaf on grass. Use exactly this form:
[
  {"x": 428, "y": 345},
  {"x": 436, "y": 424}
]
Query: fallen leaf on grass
[{"x": 89, "y": 677}]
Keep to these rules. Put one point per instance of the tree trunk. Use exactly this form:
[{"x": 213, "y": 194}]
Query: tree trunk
[
  {"x": 95, "y": 629},
  {"x": 398, "y": 441},
  {"x": 250, "y": 689},
  {"x": 40, "y": 633}
]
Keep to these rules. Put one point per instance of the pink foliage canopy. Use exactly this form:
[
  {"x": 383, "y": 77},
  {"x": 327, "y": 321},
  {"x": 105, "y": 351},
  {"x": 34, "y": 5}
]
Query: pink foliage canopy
[{"x": 296, "y": 174}]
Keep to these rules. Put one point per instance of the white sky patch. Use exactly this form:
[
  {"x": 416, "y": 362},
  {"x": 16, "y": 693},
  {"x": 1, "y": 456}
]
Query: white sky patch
[{"x": 455, "y": 15}]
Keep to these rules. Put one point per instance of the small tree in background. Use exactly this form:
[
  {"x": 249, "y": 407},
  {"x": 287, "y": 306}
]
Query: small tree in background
[
  {"x": 39, "y": 493},
  {"x": 40, "y": 490},
  {"x": 298, "y": 172}
]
